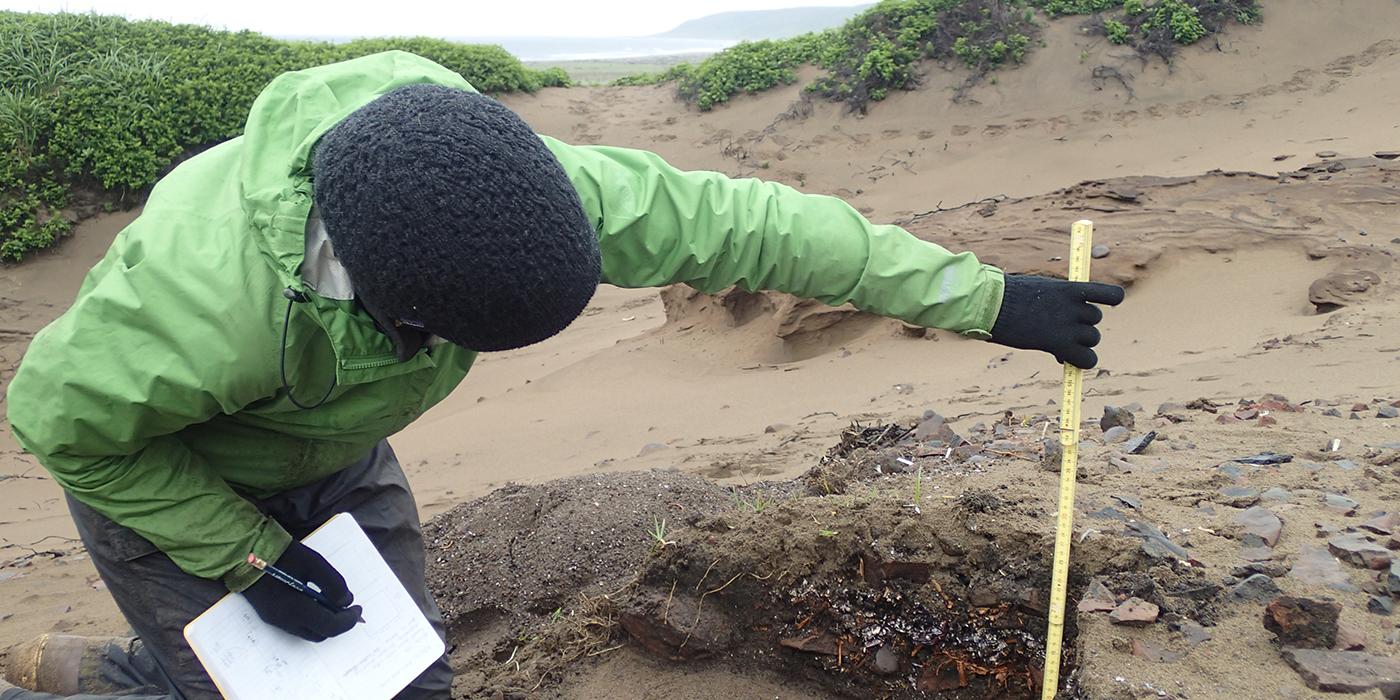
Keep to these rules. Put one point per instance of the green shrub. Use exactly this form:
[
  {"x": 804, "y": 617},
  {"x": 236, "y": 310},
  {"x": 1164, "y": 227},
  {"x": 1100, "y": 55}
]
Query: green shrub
[
  {"x": 106, "y": 102},
  {"x": 880, "y": 49},
  {"x": 1117, "y": 31}
]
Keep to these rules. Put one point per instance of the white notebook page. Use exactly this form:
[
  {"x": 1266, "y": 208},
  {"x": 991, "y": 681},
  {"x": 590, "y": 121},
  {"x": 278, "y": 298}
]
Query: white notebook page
[{"x": 249, "y": 659}]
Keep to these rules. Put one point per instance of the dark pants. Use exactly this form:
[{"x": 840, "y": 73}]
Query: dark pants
[{"x": 158, "y": 599}]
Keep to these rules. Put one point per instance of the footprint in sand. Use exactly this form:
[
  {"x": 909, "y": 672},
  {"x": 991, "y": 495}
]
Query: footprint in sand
[
  {"x": 925, "y": 135},
  {"x": 994, "y": 130},
  {"x": 961, "y": 129},
  {"x": 1091, "y": 116}
]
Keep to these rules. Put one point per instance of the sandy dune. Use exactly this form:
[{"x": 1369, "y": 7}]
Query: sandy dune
[{"x": 1220, "y": 266}]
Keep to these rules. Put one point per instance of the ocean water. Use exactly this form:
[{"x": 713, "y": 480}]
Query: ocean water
[{"x": 597, "y": 48}]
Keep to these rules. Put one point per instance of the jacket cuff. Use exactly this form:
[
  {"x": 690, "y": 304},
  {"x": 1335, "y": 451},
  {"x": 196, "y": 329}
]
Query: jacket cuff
[
  {"x": 269, "y": 544},
  {"x": 987, "y": 303}
]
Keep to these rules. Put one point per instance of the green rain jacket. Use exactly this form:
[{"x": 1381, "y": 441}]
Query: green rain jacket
[{"x": 157, "y": 400}]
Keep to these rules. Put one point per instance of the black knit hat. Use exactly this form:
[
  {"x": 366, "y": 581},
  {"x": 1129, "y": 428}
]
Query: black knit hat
[{"x": 447, "y": 210}]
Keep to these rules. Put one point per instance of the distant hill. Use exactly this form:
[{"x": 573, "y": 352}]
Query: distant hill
[{"x": 764, "y": 24}]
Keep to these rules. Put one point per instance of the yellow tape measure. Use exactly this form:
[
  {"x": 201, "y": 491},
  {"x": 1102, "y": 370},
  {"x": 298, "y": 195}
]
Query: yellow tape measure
[{"x": 1080, "y": 240}]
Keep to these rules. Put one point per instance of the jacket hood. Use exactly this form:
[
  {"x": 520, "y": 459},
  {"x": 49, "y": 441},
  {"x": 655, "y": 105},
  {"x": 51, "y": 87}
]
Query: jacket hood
[{"x": 285, "y": 122}]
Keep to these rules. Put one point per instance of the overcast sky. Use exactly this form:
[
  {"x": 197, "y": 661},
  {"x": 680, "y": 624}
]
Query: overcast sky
[{"x": 425, "y": 17}]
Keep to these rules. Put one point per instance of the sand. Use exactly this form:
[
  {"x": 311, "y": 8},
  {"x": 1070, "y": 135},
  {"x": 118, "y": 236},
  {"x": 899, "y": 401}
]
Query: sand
[{"x": 1220, "y": 267}]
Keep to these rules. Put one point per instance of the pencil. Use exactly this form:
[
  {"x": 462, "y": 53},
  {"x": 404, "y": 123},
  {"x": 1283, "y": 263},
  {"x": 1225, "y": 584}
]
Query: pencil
[{"x": 295, "y": 584}]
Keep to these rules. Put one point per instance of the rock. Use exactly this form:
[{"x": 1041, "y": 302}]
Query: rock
[
  {"x": 1051, "y": 454},
  {"x": 1116, "y": 434},
  {"x": 1115, "y": 416},
  {"x": 1238, "y": 496},
  {"x": 1360, "y": 551},
  {"x": 1383, "y": 524},
  {"x": 1345, "y": 671},
  {"x": 1272, "y": 569},
  {"x": 1130, "y": 501},
  {"x": 1277, "y": 495},
  {"x": 1255, "y": 550},
  {"x": 887, "y": 660},
  {"x": 1341, "y": 288},
  {"x": 1247, "y": 413},
  {"x": 1380, "y": 606},
  {"x": 1194, "y": 633},
  {"x": 1261, "y": 522},
  {"x": 1231, "y": 472},
  {"x": 1392, "y": 581},
  {"x": 1303, "y": 622},
  {"x": 1349, "y": 638},
  {"x": 1332, "y": 413},
  {"x": 1152, "y": 652},
  {"x": 1155, "y": 543},
  {"x": 1097, "y": 598},
  {"x": 1266, "y": 421},
  {"x": 1134, "y": 612},
  {"x": 1317, "y": 566},
  {"x": 1338, "y": 503},
  {"x": 1387, "y": 155},
  {"x": 1265, "y": 458},
  {"x": 1388, "y": 411},
  {"x": 1170, "y": 408},
  {"x": 1226, "y": 419},
  {"x": 1138, "y": 445},
  {"x": 935, "y": 427},
  {"x": 776, "y": 427},
  {"x": 1099, "y": 251},
  {"x": 1257, "y": 588},
  {"x": 1326, "y": 154},
  {"x": 1345, "y": 465}
]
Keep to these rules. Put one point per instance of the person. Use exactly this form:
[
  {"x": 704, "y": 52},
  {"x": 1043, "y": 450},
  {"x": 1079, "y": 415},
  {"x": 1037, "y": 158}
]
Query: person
[{"x": 227, "y": 376}]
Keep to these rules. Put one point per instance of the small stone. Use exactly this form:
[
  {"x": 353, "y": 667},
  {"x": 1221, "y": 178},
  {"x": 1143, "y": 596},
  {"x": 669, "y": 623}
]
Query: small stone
[
  {"x": 887, "y": 660},
  {"x": 1359, "y": 407},
  {"x": 1388, "y": 412},
  {"x": 1130, "y": 501},
  {"x": 1392, "y": 582},
  {"x": 1257, "y": 588},
  {"x": 1116, "y": 434},
  {"x": 1051, "y": 454},
  {"x": 1277, "y": 494},
  {"x": 1170, "y": 408},
  {"x": 775, "y": 427},
  {"x": 1380, "y": 606},
  {"x": 1147, "y": 650},
  {"x": 1316, "y": 566},
  {"x": 1231, "y": 472},
  {"x": 650, "y": 448},
  {"x": 1134, "y": 612},
  {"x": 1099, "y": 251},
  {"x": 1266, "y": 421},
  {"x": 1303, "y": 622},
  {"x": 1194, "y": 633},
  {"x": 1383, "y": 524},
  {"x": 1332, "y": 413},
  {"x": 1247, "y": 413},
  {"x": 1358, "y": 550},
  {"x": 1138, "y": 445},
  {"x": 935, "y": 427},
  {"x": 1261, "y": 522},
  {"x": 1238, "y": 496},
  {"x": 1345, "y": 465},
  {"x": 1326, "y": 154},
  {"x": 1097, "y": 598},
  {"x": 1108, "y": 513},
  {"x": 1115, "y": 416},
  {"x": 1226, "y": 419},
  {"x": 1272, "y": 569},
  {"x": 1338, "y": 503},
  {"x": 1265, "y": 458},
  {"x": 1345, "y": 671},
  {"x": 1349, "y": 638}
]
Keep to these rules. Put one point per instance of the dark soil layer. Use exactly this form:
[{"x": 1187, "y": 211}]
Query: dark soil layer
[{"x": 882, "y": 587}]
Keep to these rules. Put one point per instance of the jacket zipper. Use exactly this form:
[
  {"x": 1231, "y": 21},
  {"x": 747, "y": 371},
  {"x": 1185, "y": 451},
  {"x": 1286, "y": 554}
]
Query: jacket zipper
[{"x": 369, "y": 362}]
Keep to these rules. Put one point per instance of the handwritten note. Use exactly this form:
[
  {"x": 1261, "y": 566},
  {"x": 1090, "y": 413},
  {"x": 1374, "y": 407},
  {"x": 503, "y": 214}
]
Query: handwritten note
[{"x": 249, "y": 659}]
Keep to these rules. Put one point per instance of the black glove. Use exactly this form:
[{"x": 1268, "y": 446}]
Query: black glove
[
  {"x": 1040, "y": 313},
  {"x": 297, "y": 613}
]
